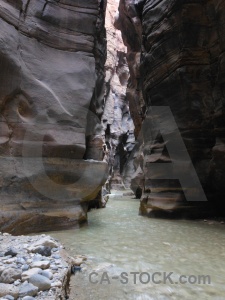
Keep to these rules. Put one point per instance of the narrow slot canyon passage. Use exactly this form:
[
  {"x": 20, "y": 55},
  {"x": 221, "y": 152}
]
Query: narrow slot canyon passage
[
  {"x": 112, "y": 149},
  {"x": 118, "y": 242}
]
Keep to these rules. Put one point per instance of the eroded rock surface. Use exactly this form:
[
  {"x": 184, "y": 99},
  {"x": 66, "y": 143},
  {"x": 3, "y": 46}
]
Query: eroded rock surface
[
  {"x": 117, "y": 123},
  {"x": 49, "y": 62},
  {"x": 182, "y": 67}
]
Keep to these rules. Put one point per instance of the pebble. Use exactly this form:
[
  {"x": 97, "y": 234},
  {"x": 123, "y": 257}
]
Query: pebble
[
  {"x": 56, "y": 256},
  {"x": 43, "y": 250},
  {"x": 37, "y": 256},
  {"x": 9, "y": 297},
  {"x": 7, "y": 257},
  {"x": 25, "y": 267},
  {"x": 9, "y": 275},
  {"x": 54, "y": 267},
  {"x": 47, "y": 274},
  {"x": 17, "y": 282},
  {"x": 43, "y": 264},
  {"x": 75, "y": 269},
  {"x": 12, "y": 252},
  {"x": 42, "y": 282},
  {"x": 78, "y": 261},
  {"x": 27, "y": 274},
  {"x": 9, "y": 261},
  {"x": 29, "y": 261},
  {"x": 56, "y": 284},
  {"x": 31, "y": 267},
  {"x": 2, "y": 268},
  {"x": 55, "y": 249},
  {"x": 58, "y": 262},
  {"x": 28, "y": 289},
  {"x": 45, "y": 241},
  {"x": 9, "y": 289},
  {"x": 166, "y": 243},
  {"x": 20, "y": 260}
]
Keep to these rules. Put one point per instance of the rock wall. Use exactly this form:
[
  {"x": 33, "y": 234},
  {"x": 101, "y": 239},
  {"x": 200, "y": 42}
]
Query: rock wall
[
  {"x": 117, "y": 124},
  {"x": 129, "y": 23},
  {"x": 182, "y": 67},
  {"x": 51, "y": 74}
]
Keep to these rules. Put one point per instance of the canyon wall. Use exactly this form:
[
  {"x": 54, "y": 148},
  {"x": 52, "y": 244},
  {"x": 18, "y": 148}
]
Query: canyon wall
[
  {"x": 117, "y": 124},
  {"x": 181, "y": 68},
  {"x": 128, "y": 22},
  {"x": 52, "y": 56}
]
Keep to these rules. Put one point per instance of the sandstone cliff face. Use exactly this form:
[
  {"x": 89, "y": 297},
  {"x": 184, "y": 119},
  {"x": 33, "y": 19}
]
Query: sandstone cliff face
[
  {"x": 117, "y": 124},
  {"x": 129, "y": 23},
  {"x": 182, "y": 67},
  {"x": 51, "y": 73}
]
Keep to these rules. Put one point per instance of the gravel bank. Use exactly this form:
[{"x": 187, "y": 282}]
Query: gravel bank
[{"x": 34, "y": 267}]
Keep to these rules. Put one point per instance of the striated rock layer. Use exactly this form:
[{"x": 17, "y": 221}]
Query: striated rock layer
[
  {"x": 51, "y": 79},
  {"x": 128, "y": 22},
  {"x": 182, "y": 68},
  {"x": 117, "y": 124}
]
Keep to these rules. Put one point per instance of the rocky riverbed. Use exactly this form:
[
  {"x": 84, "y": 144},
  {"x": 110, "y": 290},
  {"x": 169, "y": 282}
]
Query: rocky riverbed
[{"x": 34, "y": 267}]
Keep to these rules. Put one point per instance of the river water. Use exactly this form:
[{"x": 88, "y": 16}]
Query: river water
[{"x": 118, "y": 240}]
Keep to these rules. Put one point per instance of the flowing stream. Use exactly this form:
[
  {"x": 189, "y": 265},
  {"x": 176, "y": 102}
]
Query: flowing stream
[{"x": 118, "y": 240}]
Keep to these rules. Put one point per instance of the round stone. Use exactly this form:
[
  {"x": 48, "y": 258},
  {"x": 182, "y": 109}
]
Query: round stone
[
  {"x": 9, "y": 297},
  {"x": 42, "y": 282},
  {"x": 28, "y": 289},
  {"x": 11, "y": 251},
  {"x": 47, "y": 274},
  {"x": 9, "y": 275}
]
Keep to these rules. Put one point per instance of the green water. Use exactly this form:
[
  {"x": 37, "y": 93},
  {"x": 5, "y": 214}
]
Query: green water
[{"x": 118, "y": 240}]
